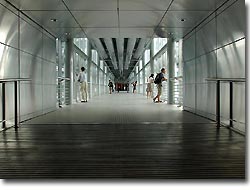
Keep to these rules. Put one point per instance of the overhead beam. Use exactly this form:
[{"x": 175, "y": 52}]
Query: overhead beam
[
  {"x": 109, "y": 45},
  {"x": 99, "y": 47},
  {"x": 130, "y": 48},
  {"x": 120, "y": 49},
  {"x": 140, "y": 48}
]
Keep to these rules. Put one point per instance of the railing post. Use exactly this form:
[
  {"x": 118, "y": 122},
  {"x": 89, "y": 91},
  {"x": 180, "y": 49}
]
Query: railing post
[
  {"x": 16, "y": 101},
  {"x": 231, "y": 103},
  {"x": 15, "y": 104},
  {"x": 3, "y": 107},
  {"x": 218, "y": 103}
]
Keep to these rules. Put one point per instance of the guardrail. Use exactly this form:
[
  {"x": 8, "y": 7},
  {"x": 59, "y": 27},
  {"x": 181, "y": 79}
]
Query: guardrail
[
  {"x": 218, "y": 82},
  {"x": 60, "y": 89},
  {"x": 16, "y": 81},
  {"x": 177, "y": 90}
]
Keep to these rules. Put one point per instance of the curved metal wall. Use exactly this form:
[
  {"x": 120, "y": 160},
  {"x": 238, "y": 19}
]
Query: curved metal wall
[
  {"x": 216, "y": 49},
  {"x": 27, "y": 51}
]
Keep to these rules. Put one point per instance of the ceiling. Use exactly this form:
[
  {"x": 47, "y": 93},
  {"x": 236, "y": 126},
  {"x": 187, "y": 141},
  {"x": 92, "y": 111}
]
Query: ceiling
[{"x": 111, "y": 20}]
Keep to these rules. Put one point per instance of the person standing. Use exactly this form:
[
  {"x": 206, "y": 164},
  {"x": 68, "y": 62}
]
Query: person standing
[
  {"x": 134, "y": 86},
  {"x": 150, "y": 85},
  {"x": 111, "y": 86},
  {"x": 82, "y": 79},
  {"x": 158, "y": 81},
  {"x": 127, "y": 87}
]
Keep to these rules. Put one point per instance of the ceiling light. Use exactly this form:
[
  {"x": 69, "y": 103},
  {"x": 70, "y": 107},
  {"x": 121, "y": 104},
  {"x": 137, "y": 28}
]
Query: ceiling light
[{"x": 53, "y": 20}]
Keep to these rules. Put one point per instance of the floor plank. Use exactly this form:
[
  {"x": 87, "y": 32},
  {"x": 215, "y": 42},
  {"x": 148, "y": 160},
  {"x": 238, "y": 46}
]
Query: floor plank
[
  {"x": 135, "y": 140},
  {"x": 173, "y": 151}
]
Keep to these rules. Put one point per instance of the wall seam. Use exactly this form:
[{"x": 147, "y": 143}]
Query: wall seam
[
  {"x": 195, "y": 68},
  {"x": 40, "y": 26},
  {"x": 42, "y": 74},
  {"x": 19, "y": 67}
]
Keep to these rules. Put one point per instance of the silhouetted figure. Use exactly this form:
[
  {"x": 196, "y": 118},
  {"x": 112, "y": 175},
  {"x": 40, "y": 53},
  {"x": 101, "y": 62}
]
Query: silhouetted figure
[
  {"x": 127, "y": 87},
  {"x": 134, "y": 86},
  {"x": 111, "y": 87}
]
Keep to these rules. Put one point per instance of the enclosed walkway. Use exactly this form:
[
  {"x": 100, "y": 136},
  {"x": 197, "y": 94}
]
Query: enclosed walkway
[{"x": 121, "y": 136}]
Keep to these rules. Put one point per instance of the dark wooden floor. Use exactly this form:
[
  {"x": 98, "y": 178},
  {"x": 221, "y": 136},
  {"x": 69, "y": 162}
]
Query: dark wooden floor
[{"x": 162, "y": 151}]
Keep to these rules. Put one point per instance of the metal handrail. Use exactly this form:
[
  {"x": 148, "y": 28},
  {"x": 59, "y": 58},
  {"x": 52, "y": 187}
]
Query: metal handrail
[
  {"x": 177, "y": 84},
  {"x": 3, "y": 82},
  {"x": 176, "y": 78},
  {"x": 218, "y": 82},
  {"x": 63, "y": 78},
  {"x": 14, "y": 80},
  {"x": 227, "y": 79},
  {"x": 61, "y": 88}
]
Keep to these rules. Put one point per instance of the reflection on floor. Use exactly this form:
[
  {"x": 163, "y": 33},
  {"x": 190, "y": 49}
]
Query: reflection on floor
[
  {"x": 130, "y": 137},
  {"x": 119, "y": 108}
]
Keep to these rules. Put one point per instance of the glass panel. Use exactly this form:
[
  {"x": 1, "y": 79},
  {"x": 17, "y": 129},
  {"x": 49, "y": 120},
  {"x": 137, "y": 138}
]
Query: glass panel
[
  {"x": 141, "y": 82},
  {"x": 178, "y": 92},
  {"x": 94, "y": 56},
  {"x": 147, "y": 72},
  {"x": 159, "y": 43},
  {"x": 140, "y": 65},
  {"x": 101, "y": 81},
  {"x": 101, "y": 64},
  {"x": 147, "y": 56},
  {"x": 137, "y": 69},
  {"x": 82, "y": 44},
  {"x": 61, "y": 73}
]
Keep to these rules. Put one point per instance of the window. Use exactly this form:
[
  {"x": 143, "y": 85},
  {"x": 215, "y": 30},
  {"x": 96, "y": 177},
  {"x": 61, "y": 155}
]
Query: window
[
  {"x": 137, "y": 69},
  {"x": 82, "y": 44},
  {"x": 147, "y": 56},
  {"x": 140, "y": 65},
  {"x": 159, "y": 43},
  {"x": 101, "y": 64},
  {"x": 94, "y": 56}
]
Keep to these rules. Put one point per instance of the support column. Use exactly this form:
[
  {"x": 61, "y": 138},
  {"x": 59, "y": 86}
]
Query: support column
[
  {"x": 16, "y": 104},
  {"x": 59, "y": 74},
  {"x": 171, "y": 70},
  {"x": 138, "y": 80},
  {"x": 98, "y": 75},
  {"x": 69, "y": 71},
  {"x": 143, "y": 76},
  {"x": 152, "y": 68},
  {"x": 180, "y": 74},
  {"x": 218, "y": 103},
  {"x": 180, "y": 57},
  {"x": 89, "y": 64},
  {"x": 231, "y": 103},
  {"x": 3, "y": 106},
  {"x": 151, "y": 57}
]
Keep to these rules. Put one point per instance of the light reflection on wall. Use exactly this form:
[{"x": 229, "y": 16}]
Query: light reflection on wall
[{"x": 2, "y": 49}]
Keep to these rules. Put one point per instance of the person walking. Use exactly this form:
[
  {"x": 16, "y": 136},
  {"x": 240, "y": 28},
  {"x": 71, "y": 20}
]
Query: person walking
[
  {"x": 158, "y": 81},
  {"x": 150, "y": 86},
  {"x": 82, "y": 79},
  {"x": 111, "y": 86}
]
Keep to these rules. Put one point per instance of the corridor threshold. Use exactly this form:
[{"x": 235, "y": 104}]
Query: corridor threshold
[{"x": 121, "y": 136}]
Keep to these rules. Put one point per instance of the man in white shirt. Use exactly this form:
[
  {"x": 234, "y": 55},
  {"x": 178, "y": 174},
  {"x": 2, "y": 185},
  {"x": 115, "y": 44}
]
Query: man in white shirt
[{"x": 82, "y": 78}]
